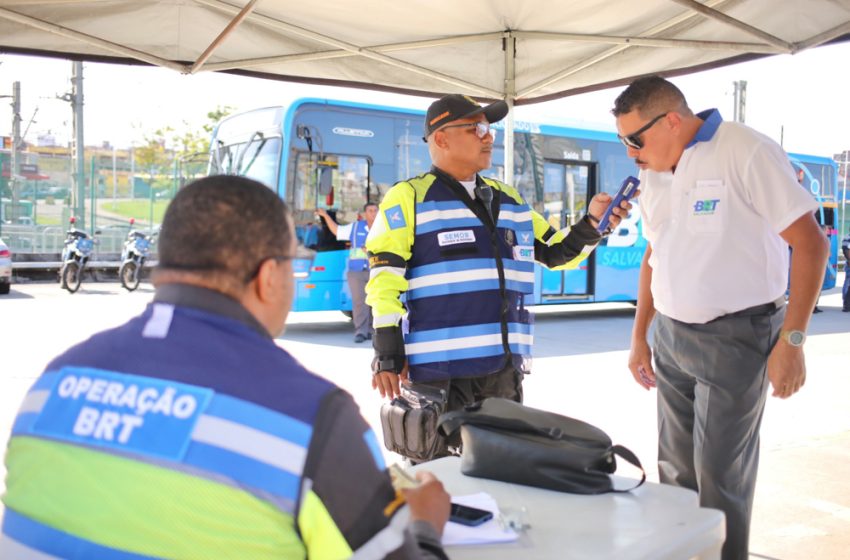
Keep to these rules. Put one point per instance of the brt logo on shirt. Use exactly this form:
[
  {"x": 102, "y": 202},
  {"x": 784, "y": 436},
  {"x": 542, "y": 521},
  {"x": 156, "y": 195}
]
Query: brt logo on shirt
[{"x": 705, "y": 207}]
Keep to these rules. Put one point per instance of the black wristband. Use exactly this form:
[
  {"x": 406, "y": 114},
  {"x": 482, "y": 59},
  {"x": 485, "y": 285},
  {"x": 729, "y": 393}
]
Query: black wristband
[
  {"x": 587, "y": 222},
  {"x": 387, "y": 363},
  {"x": 388, "y": 343}
]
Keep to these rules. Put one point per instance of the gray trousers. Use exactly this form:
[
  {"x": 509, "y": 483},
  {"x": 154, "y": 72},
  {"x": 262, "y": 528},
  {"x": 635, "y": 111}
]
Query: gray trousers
[
  {"x": 712, "y": 385},
  {"x": 362, "y": 313}
]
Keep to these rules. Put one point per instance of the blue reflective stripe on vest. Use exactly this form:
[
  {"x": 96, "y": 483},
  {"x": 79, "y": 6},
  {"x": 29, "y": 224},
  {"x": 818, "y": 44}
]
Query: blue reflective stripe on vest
[
  {"x": 437, "y": 335},
  {"x": 492, "y": 350},
  {"x": 471, "y": 286},
  {"x": 249, "y": 473},
  {"x": 463, "y": 343},
  {"x": 48, "y": 540},
  {"x": 469, "y": 275},
  {"x": 448, "y": 223},
  {"x": 517, "y": 217},
  {"x": 261, "y": 418},
  {"x": 252, "y": 445},
  {"x": 446, "y": 214}
]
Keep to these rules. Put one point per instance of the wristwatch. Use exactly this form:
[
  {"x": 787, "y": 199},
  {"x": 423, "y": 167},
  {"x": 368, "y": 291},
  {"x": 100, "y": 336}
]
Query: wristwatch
[{"x": 793, "y": 337}]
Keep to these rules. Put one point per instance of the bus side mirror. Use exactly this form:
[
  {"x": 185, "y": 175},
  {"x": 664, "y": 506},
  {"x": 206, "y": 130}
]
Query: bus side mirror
[{"x": 326, "y": 180}]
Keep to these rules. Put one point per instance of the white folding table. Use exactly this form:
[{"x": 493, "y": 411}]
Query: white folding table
[{"x": 653, "y": 522}]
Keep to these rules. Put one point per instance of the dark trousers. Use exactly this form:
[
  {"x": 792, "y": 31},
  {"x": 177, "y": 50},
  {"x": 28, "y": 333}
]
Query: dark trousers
[
  {"x": 506, "y": 384},
  {"x": 845, "y": 292},
  {"x": 712, "y": 386}
]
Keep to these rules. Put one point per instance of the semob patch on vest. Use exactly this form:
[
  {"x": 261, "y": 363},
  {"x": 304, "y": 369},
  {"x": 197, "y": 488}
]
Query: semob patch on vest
[
  {"x": 448, "y": 238},
  {"x": 124, "y": 412}
]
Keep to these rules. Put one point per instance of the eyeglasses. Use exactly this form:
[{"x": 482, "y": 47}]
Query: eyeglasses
[
  {"x": 482, "y": 128},
  {"x": 275, "y": 258},
  {"x": 633, "y": 140}
]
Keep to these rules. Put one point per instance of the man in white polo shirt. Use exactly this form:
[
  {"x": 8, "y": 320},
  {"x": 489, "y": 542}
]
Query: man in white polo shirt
[{"x": 720, "y": 206}]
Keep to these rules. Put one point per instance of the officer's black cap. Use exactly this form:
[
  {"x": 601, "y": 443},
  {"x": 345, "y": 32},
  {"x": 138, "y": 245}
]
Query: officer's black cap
[{"x": 455, "y": 106}]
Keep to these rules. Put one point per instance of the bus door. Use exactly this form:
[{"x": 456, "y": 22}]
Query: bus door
[
  {"x": 568, "y": 186},
  {"x": 338, "y": 183}
]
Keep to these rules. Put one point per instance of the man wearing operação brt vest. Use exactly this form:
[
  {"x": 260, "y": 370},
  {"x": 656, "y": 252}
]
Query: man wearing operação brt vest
[
  {"x": 187, "y": 433},
  {"x": 460, "y": 249}
]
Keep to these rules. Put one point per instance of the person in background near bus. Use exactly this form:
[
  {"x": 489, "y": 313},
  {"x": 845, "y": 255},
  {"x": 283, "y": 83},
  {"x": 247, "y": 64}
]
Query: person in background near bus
[
  {"x": 462, "y": 250},
  {"x": 720, "y": 206},
  {"x": 845, "y": 292},
  {"x": 358, "y": 265},
  {"x": 188, "y": 433}
]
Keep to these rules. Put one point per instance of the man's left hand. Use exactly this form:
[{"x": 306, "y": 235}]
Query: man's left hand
[
  {"x": 786, "y": 369},
  {"x": 600, "y": 202}
]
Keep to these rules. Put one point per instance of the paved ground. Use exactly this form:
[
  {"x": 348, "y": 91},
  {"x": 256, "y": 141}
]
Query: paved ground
[{"x": 802, "y": 506}]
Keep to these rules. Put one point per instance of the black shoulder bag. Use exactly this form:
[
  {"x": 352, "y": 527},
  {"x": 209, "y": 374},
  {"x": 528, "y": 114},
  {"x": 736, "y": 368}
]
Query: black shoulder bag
[{"x": 507, "y": 441}]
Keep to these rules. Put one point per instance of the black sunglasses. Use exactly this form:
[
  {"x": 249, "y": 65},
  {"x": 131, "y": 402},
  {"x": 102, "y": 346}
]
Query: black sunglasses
[{"x": 633, "y": 140}]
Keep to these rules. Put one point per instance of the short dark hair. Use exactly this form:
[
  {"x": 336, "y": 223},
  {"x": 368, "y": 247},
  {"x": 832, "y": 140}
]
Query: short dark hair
[
  {"x": 224, "y": 226},
  {"x": 368, "y": 204},
  {"x": 650, "y": 96}
]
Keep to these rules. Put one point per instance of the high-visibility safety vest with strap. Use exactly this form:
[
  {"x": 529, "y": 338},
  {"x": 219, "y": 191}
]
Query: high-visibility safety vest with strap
[
  {"x": 357, "y": 258},
  {"x": 133, "y": 445},
  {"x": 464, "y": 281}
]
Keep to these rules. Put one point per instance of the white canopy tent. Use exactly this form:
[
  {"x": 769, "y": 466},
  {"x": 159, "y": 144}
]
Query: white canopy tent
[{"x": 523, "y": 51}]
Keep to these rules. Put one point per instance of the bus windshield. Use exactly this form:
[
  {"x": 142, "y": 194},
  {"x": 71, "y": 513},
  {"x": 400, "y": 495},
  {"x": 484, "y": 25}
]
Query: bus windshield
[
  {"x": 258, "y": 158},
  {"x": 336, "y": 183}
]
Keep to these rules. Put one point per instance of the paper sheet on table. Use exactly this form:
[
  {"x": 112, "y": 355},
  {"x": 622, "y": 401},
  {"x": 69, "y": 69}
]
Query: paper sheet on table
[{"x": 488, "y": 532}]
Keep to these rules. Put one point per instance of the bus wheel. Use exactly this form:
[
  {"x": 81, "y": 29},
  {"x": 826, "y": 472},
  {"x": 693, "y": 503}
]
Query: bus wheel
[{"x": 349, "y": 314}]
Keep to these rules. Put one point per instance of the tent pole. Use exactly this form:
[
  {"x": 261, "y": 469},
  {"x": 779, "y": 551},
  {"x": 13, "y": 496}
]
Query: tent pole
[{"x": 510, "y": 95}]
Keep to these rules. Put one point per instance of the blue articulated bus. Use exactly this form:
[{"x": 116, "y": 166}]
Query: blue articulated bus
[{"x": 338, "y": 155}]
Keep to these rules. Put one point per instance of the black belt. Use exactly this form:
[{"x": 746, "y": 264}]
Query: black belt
[{"x": 763, "y": 309}]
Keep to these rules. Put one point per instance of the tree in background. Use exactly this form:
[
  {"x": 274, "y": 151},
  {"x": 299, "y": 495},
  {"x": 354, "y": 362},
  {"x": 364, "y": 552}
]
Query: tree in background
[
  {"x": 192, "y": 148},
  {"x": 153, "y": 159},
  {"x": 169, "y": 156}
]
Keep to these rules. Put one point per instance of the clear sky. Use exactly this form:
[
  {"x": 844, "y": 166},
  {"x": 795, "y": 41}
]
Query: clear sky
[{"x": 806, "y": 94}]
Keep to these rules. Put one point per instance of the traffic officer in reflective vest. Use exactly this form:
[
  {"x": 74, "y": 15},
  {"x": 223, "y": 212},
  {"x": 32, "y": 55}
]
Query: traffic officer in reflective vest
[
  {"x": 461, "y": 249},
  {"x": 358, "y": 266}
]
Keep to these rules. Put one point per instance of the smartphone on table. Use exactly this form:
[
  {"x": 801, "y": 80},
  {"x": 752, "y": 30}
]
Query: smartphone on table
[{"x": 470, "y": 516}]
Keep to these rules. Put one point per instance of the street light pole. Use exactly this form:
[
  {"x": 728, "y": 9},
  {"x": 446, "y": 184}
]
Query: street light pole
[
  {"x": 740, "y": 100},
  {"x": 14, "y": 168},
  {"x": 14, "y": 163},
  {"x": 75, "y": 98}
]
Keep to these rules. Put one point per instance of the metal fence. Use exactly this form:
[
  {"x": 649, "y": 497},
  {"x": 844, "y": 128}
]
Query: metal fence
[{"x": 35, "y": 217}]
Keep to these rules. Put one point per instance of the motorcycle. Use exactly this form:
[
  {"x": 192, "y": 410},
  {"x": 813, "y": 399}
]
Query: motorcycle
[
  {"x": 75, "y": 255},
  {"x": 136, "y": 250}
]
